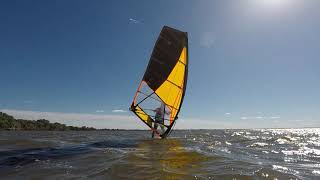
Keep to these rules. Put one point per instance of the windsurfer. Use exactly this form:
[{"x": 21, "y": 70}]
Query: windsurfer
[{"x": 159, "y": 118}]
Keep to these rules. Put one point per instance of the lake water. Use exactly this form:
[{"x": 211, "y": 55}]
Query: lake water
[{"x": 186, "y": 154}]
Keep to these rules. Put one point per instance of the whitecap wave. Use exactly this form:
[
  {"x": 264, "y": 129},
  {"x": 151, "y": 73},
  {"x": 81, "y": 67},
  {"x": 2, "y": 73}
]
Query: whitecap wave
[
  {"x": 316, "y": 172},
  {"x": 284, "y": 169},
  {"x": 258, "y": 144}
]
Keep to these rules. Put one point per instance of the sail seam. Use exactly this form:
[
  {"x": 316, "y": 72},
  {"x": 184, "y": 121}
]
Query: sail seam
[{"x": 174, "y": 83}]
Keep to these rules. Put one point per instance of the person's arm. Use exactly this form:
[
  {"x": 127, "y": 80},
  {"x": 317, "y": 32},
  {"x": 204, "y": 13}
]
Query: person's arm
[{"x": 156, "y": 110}]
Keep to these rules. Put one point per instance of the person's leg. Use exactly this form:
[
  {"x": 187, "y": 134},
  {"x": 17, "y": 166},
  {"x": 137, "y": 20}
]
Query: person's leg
[
  {"x": 155, "y": 126},
  {"x": 149, "y": 121},
  {"x": 162, "y": 128},
  {"x": 162, "y": 125}
]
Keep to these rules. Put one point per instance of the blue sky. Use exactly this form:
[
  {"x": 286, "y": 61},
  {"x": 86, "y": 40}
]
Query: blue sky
[{"x": 251, "y": 62}]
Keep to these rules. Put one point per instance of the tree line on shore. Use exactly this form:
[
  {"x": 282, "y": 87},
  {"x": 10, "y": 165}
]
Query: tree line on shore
[{"x": 8, "y": 122}]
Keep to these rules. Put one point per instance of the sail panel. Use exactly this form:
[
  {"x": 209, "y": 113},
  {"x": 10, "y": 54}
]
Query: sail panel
[
  {"x": 164, "y": 57},
  {"x": 174, "y": 85}
]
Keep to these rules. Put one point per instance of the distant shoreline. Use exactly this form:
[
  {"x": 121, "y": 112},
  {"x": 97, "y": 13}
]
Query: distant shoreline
[{"x": 9, "y": 123}]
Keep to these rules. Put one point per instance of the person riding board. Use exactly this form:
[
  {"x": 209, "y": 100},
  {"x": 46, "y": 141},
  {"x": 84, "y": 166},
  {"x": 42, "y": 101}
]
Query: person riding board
[{"x": 159, "y": 118}]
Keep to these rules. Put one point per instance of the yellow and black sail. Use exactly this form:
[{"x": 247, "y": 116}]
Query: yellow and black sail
[{"x": 164, "y": 81}]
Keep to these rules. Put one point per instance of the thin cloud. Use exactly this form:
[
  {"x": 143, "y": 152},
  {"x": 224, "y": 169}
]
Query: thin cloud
[
  {"x": 135, "y": 21},
  {"x": 28, "y": 101},
  {"x": 261, "y": 117},
  {"x": 99, "y": 111},
  {"x": 276, "y": 121},
  {"x": 118, "y": 111},
  {"x": 227, "y": 113},
  {"x": 208, "y": 39},
  {"x": 274, "y": 117}
]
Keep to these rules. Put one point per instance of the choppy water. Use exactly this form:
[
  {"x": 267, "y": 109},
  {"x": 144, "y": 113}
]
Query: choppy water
[{"x": 194, "y": 154}]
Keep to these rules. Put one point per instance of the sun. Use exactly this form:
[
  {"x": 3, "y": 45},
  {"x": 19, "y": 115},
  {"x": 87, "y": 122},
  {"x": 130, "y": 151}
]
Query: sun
[{"x": 274, "y": 3}]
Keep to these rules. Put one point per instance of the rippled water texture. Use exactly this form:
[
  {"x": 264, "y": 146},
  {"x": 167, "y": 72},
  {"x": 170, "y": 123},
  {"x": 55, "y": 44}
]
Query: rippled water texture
[{"x": 194, "y": 154}]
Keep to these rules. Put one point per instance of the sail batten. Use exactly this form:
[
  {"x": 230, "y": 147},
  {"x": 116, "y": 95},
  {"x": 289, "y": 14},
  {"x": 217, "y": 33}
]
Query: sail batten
[{"x": 164, "y": 81}]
